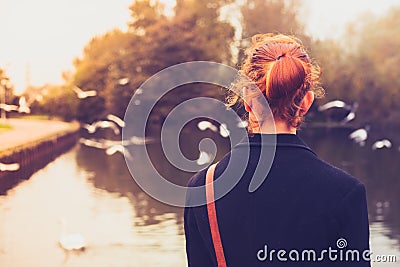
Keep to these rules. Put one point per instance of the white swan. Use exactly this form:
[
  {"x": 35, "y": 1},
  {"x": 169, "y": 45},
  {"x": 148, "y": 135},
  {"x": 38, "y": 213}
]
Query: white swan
[{"x": 70, "y": 242}]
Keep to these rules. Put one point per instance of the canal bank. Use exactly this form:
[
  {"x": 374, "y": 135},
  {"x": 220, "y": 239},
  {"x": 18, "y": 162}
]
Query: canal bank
[{"x": 32, "y": 144}]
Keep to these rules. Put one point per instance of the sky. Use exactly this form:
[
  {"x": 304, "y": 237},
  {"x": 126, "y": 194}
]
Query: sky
[{"x": 40, "y": 38}]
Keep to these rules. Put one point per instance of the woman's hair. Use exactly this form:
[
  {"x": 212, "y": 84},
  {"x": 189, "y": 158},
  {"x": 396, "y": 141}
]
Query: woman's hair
[{"x": 281, "y": 68}]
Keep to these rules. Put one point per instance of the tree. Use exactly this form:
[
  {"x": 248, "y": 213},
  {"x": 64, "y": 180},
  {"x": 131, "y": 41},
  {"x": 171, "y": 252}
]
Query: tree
[
  {"x": 375, "y": 72},
  {"x": 55, "y": 101},
  {"x": 265, "y": 16},
  {"x": 101, "y": 68},
  {"x": 117, "y": 63},
  {"x": 7, "y": 86}
]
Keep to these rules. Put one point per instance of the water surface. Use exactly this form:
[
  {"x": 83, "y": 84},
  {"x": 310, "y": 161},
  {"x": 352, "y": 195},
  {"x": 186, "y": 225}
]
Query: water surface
[{"x": 96, "y": 196}]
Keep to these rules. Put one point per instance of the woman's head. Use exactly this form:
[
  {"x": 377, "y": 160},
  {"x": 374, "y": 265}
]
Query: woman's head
[{"x": 282, "y": 70}]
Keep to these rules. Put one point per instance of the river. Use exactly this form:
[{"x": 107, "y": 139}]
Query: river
[{"x": 122, "y": 226}]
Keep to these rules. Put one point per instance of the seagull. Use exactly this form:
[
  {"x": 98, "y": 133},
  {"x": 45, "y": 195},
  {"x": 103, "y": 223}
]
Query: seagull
[
  {"x": 223, "y": 130},
  {"x": 4, "y": 167},
  {"x": 92, "y": 128},
  {"x": 105, "y": 143},
  {"x": 242, "y": 124},
  {"x": 204, "y": 158},
  {"x": 83, "y": 94},
  {"x": 114, "y": 149},
  {"x": 116, "y": 119},
  {"x": 135, "y": 140},
  {"x": 204, "y": 125},
  {"x": 92, "y": 143},
  {"x": 118, "y": 148},
  {"x": 70, "y": 242},
  {"x": 22, "y": 108},
  {"x": 360, "y": 135},
  {"x": 9, "y": 108},
  {"x": 110, "y": 146},
  {"x": 384, "y": 143},
  {"x": 340, "y": 104},
  {"x": 352, "y": 113},
  {"x": 332, "y": 104},
  {"x": 123, "y": 81},
  {"x": 23, "y": 105}
]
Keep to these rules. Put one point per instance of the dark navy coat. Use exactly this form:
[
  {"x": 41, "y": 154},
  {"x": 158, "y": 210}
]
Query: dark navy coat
[{"x": 303, "y": 204}]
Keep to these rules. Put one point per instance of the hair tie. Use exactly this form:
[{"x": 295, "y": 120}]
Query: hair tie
[{"x": 280, "y": 56}]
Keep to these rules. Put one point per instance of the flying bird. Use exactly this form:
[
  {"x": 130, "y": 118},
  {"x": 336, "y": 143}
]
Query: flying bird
[
  {"x": 204, "y": 125},
  {"x": 92, "y": 128},
  {"x": 23, "y": 105},
  {"x": 116, "y": 119},
  {"x": 22, "y": 108},
  {"x": 242, "y": 124},
  {"x": 111, "y": 146},
  {"x": 5, "y": 167},
  {"x": 135, "y": 140},
  {"x": 8, "y": 108},
  {"x": 118, "y": 148},
  {"x": 92, "y": 143},
  {"x": 83, "y": 94},
  {"x": 360, "y": 135},
  {"x": 341, "y": 104},
  {"x": 204, "y": 158},
  {"x": 352, "y": 114},
  {"x": 332, "y": 104},
  {"x": 114, "y": 149},
  {"x": 223, "y": 130},
  {"x": 123, "y": 81},
  {"x": 384, "y": 143}
]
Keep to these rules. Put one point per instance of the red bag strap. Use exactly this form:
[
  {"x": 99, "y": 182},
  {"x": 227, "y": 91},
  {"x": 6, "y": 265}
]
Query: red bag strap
[{"x": 212, "y": 217}]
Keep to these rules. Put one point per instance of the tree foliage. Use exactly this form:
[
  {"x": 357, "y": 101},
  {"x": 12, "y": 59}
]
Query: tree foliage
[
  {"x": 117, "y": 63},
  {"x": 269, "y": 16},
  {"x": 362, "y": 68},
  {"x": 53, "y": 100},
  {"x": 7, "y": 86}
]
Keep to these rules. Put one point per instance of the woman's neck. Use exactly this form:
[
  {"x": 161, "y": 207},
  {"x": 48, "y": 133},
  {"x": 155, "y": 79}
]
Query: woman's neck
[{"x": 280, "y": 128}]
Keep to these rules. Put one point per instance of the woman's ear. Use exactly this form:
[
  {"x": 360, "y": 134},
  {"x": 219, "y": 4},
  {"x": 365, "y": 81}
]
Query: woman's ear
[{"x": 306, "y": 102}]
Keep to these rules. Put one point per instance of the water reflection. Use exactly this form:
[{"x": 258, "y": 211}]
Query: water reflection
[
  {"x": 110, "y": 173},
  {"x": 378, "y": 170},
  {"x": 123, "y": 226}
]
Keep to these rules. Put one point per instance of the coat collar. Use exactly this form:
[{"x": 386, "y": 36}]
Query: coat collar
[{"x": 281, "y": 140}]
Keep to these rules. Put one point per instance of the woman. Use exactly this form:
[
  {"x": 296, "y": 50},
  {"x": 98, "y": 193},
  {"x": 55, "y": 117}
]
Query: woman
[{"x": 305, "y": 212}]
